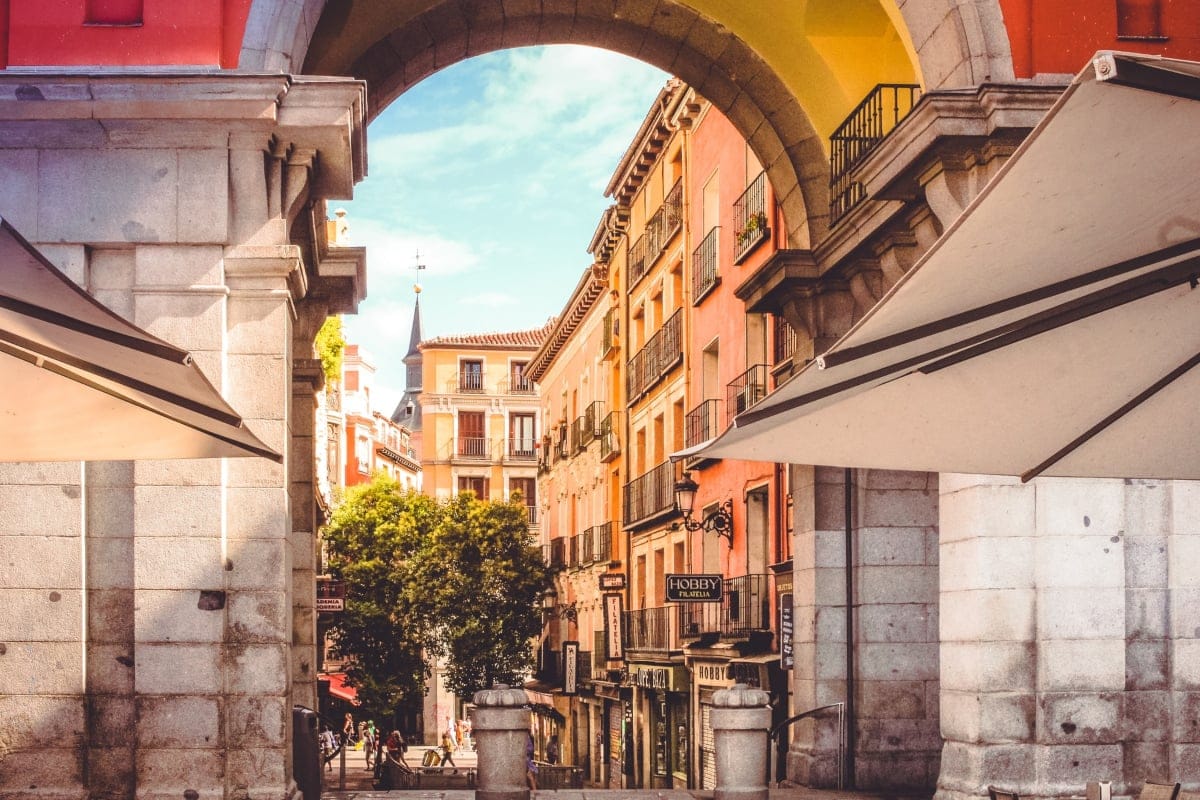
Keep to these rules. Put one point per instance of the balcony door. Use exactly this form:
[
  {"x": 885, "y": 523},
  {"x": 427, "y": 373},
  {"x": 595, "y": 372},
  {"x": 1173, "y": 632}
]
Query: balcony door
[
  {"x": 522, "y": 434},
  {"x": 470, "y": 376},
  {"x": 472, "y": 441}
]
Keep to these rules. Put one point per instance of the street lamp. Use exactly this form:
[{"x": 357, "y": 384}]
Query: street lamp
[{"x": 719, "y": 521}]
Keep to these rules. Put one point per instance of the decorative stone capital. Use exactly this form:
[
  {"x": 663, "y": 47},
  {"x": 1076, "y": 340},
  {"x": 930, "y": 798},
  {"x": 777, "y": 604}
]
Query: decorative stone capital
[
  {"x": 740, "y": 696},
  {"x": 501, "y": 696}
]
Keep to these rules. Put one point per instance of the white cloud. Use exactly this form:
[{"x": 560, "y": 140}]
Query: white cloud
[
  {"x": 490, "y": 299},
  {"x": 392, "y": 250}
]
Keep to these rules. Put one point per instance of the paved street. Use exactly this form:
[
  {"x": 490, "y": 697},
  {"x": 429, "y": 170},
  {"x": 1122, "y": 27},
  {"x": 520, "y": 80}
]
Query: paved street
[
  {"x": 617, "y": 794},
  {"x": 359, "y": 780}
]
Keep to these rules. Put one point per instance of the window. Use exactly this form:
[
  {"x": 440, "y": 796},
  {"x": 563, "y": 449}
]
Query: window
[
  {"x": 473, "y": 483},
  {"x": 527, "y": 487},
  {"x": 362, "y": 453},
  {"x": 517, "y": 382},
  {"x": 472, "y": 442},
  {"x": 522, "y": 435},
  {"x": 470, "y": 376},
  {"x": 113, "y": 12},
  {"x": 1139, "y": 19}
]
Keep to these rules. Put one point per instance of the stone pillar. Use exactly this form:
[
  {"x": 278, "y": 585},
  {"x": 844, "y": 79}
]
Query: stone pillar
[
  {"x": 893, "y": 719},
  {"x": 1068, "y": 632},
  {"x": 157, "y": 658},
  {"x": 741, "y": 721},
  {"x": 500, "y": 727}
]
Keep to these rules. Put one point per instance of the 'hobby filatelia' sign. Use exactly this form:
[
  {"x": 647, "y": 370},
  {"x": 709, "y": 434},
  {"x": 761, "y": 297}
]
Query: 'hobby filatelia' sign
[{"x": 694, "y": 589}]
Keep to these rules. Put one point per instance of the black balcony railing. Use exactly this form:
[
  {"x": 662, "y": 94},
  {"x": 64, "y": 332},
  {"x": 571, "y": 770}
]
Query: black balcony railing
[
  {"x": 562, "y": 443},
  {"x": 473, "y": 447},
  {"x": 701, "y": 422},
  {"x": 470, "y": 382},
  {"x": 651, "y": 494},
  {"x": 602, "y": 542},
  {"x": 652, "y": 629},
  {"x": 745, "y": 390},
  {"x": 705, "y": 272},
  {"x": 751, "y": 224},
  {"x": 784, "y": 345},
  {"x": 585, "y": 551},
  {"x": 558, "y": 552},
  {"x": 660, "y": 229},
  {"x": 543, "y": 456},
  {"x": 611, "y": 334},
  {"x": 610, "y": 446},
  {"x": 518, "y": 384},
  {"x": 744, "y": 609},
  {"x": 865, "y": 127},
  {"x": 650, "y": 364},
  {"x": 593, "y": 415},
  {"x": 572, "y": 552},
  {"x": 522, "y": 448}
]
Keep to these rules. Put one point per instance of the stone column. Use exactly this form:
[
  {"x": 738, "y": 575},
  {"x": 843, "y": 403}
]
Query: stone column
[
  {"x": 741, "y": 721},
  {"x": 1061, "y": 648},
  {"x": 500, "y": 727}
]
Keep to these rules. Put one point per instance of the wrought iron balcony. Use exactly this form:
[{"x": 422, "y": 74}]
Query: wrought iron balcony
[
  {"x": 751, "y": 222},
  {"x": 860, "y": 133},
  {"x": 745, "y": 609},
  {"x": 602, "y": 543},
  {"x": 660, "y": 230},
  {"x": 584, "y": 548},
  {"x": 661, "y": 354},
  {"x": 468, "y": 382},
  {"x": 784, "y": 345},
  {"x": 701, "y": 422},
  {"x": 610, "y": 446},
  {"x": 522, "y": 448},
  {"x": 475, "y": 447},
  {"x": 611, "y": 336},
  {"x": 518, "y": 385},
  {"x": 705, "y": 272},
  {"x": 651, "y": 494},
  {"x": 745, "y": 390},
  {"x": 558, "y": 552},
  {"x": 652, "y": 629}
]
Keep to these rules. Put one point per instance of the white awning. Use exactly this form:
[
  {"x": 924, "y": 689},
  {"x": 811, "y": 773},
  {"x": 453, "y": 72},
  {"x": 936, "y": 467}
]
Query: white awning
[{"x": 1051, "y": 330}]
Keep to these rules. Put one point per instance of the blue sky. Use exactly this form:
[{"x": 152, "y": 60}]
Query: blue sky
[{"x": 494, "y": 169}]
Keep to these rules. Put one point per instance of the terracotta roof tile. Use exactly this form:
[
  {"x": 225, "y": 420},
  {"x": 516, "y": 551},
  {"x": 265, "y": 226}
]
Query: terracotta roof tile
[{"x": 530, "y": 338}]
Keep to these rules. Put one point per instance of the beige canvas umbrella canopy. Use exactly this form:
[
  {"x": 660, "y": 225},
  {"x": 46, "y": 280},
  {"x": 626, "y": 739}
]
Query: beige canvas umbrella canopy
[
  {"x": 1054, "y": 329},
  {"x": 82, "y": 384}
]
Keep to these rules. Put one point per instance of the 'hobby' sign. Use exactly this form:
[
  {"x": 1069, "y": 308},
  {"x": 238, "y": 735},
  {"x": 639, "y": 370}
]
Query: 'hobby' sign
[{"x": 694, "y": 589}]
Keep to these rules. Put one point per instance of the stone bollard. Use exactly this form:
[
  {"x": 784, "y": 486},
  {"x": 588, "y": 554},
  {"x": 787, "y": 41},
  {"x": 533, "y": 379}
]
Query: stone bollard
[
  {"x": 500, "y": 725},
  {"x": 741, "y": 722}
]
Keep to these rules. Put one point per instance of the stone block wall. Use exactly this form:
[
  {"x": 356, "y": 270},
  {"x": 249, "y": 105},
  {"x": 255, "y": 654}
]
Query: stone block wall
[
  {"x": 894, "y": 562},
  {"x": 162, "y": 624},
  {"x": 1067, "y": 634}
]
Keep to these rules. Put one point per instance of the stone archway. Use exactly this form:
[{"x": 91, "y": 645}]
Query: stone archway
[{"x": 782, "y": 99}]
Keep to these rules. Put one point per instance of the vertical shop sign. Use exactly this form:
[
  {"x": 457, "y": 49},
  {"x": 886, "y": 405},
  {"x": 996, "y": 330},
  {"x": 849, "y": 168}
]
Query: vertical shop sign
[
  {"x": 786, "y": 657},
  {"x": 613, "y": 620},
  {"x": 570, "y": 657}
]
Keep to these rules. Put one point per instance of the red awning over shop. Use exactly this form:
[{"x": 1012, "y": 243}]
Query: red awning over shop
[{"x": 339, "y": 689}]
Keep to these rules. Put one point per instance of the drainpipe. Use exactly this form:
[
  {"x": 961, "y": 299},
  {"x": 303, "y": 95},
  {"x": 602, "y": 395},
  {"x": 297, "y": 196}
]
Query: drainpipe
[{"x": 848, "y": 509}]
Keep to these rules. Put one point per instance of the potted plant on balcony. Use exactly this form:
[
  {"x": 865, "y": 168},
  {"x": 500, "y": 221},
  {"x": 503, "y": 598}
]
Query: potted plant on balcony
[{"x": 756, "y": 226}]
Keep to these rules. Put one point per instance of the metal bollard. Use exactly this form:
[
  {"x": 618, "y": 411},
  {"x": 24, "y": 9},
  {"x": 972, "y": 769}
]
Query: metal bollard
[
  {"x": 500, "y": 726},
  {"x": 741, "y": 720}
]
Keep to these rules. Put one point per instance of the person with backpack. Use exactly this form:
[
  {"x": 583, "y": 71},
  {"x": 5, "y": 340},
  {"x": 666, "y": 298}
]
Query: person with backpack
[{"x": 447, "y": 750}]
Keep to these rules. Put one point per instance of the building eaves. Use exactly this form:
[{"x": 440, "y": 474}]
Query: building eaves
[{"x": 591, "y": 286}]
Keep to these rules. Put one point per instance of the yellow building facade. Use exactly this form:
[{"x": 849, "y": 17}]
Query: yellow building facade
[{"x": 480, "y": 429}]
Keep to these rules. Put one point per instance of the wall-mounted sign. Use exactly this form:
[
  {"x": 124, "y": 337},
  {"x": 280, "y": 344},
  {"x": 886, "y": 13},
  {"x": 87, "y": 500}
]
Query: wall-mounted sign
[
  {"x": 786, "y": 657},
  {"x": 612, "y": 581},
  {"x": 672, "y": 679},
  {"x": 570, "y": 657},
  {"x": 694, "y": 589},
  {"x": 613, "y": 618},
  {"x": 331, "y": 595}
]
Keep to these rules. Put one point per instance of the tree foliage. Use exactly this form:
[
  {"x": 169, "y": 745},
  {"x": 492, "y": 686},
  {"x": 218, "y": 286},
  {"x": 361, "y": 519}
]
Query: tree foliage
[
  {"x": 460, "y": 579},
  {"x": 330, "y": 344},
  {"x": 479, "y": 580}
]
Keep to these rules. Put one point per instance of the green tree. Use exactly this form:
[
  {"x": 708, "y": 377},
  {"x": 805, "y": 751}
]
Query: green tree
[
  {"x": 369, "y": 542},
  {"x": 480, "y": 579},
  {"x": 329, "y": 344}
]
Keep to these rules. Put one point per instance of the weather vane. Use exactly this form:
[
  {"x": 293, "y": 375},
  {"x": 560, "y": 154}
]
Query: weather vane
[{"x": 418, "y": 267}]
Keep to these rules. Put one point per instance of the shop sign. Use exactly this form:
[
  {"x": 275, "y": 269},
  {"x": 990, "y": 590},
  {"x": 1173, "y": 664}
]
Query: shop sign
[
  {"x": 613, "y": 621},
  {"x": 710, "y": 673},
  {"x": 331, "y": 595},
  {"x": 695, "y": 589},
  {"x": 570, "y": 657},
  {"x": 612, "y": 581},
  {"x": 668, "y": 679},
  {"x": 786, "y": 631}
]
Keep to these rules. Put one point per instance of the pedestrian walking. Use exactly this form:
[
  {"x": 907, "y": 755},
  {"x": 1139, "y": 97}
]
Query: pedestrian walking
[
  {"x": 348, "y": 729},
  {"x": 530, "y": 765},
  {"x": 447, "y": 750},
  {"x": 552, "y": 749}
]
